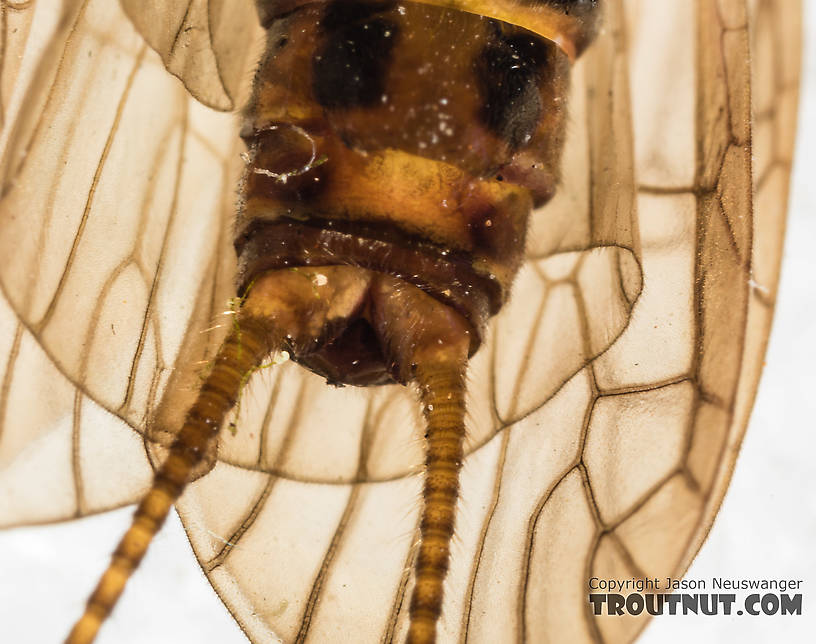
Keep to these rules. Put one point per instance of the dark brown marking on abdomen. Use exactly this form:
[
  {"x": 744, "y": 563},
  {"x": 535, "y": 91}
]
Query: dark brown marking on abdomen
[
  {"x": 509, "y": 70},
  {"x": 350, "y": 68}
]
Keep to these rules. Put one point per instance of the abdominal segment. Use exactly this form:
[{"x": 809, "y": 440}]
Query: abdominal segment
[{"x": 403, "y": 138}]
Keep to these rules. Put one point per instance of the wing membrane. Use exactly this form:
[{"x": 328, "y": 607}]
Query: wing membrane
[
  {"x": 116, "y": 241},
  {"x": 208, "y": 44},
  {"x": 15, "y": 23}
]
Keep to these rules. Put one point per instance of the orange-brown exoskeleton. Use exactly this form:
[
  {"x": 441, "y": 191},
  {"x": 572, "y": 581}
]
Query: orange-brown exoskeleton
[{"x": 534, "y": 399}]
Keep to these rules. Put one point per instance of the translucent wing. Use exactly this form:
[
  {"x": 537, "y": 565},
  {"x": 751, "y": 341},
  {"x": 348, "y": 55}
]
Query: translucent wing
[
  {"x": 15, "y": 21},
  {"x": 307, "y": 521},
  {"x": 206, "y": 43},
  {"x": 112, "y": 220}
]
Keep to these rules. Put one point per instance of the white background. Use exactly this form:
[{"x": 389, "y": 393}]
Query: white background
[{"x": 766, "y": 528}]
